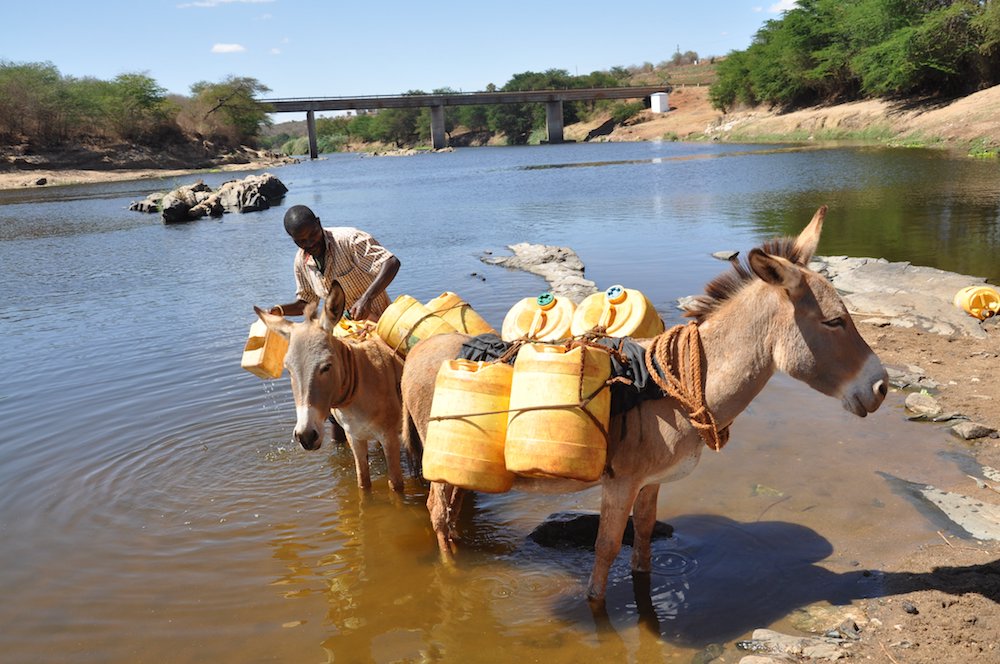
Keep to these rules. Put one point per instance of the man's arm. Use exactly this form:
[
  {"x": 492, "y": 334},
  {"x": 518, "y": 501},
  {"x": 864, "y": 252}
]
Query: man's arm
[
  {"x": 291, "y": 309},
  {"x": 359, "y": 310}
]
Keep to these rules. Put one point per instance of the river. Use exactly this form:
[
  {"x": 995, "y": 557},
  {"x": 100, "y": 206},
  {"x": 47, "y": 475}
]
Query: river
[{"x": 153, "y": 508}]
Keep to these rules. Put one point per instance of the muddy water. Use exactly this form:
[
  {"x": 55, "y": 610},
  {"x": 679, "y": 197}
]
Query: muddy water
[{"x": 153, "y": 508}]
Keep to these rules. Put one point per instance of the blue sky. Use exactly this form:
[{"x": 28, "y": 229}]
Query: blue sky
[{"x": 302, "y": 48}]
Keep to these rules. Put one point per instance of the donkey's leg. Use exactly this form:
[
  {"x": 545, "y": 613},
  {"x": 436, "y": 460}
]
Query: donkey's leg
[
  {"x": 643, "y": 521},
  {"x": 391, "y": 448},
  {"x": 360, "y": 450},
  {"x": 616, "y": 503},
  {"x": 439, "y": 508}
]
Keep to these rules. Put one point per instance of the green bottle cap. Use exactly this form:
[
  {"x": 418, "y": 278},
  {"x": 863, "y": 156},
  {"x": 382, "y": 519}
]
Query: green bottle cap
[{"x": 545, "y": 300}]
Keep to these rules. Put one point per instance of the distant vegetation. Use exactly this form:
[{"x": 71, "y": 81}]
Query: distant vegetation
[
  {"x": 42, "y": 108},
  {"x": 838, "y": 50}
]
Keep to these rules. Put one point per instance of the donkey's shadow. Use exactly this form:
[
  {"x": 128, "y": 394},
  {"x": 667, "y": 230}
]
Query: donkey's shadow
[{"x": 716, "y": 579}]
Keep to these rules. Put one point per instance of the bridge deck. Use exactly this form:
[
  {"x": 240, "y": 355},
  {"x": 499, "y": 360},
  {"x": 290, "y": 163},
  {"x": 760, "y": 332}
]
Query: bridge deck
[{"x": 458, "y": 99}]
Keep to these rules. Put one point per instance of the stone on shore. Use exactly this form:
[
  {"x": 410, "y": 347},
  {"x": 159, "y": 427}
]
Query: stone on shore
[
  {"x": 972, "y": 430},
  {"x": 922, "y": 404}
]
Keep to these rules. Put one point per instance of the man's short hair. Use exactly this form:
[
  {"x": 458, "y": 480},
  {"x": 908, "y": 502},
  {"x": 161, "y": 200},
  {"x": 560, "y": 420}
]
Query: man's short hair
[{"x": 298, "y": 216}]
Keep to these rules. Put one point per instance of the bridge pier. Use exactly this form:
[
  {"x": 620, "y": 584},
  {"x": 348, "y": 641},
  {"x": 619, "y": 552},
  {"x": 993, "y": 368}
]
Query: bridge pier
[
  {"x": 438, "y": 138},
  {"x": 311, "y": 128},
  {"x": 554, "y": 121}
]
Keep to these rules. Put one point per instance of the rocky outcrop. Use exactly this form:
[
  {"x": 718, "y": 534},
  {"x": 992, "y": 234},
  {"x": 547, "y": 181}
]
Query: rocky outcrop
[
  {"x": 900, "y": 294},
  {"x": 560, "y": 267},
  {"x": 190, "y": 202}
]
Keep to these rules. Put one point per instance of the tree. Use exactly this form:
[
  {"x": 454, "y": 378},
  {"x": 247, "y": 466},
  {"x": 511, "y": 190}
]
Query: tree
[
  {"x": 228, "y": 111},
  {"x": 135, "y": 106}
]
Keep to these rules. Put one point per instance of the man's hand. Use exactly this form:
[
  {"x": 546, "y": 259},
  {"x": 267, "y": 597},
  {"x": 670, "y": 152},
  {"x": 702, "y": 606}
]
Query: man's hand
[{"x": 359, "y": 310}]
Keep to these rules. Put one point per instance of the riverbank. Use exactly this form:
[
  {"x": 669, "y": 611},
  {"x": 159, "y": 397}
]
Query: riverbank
[
  {"x": 969, "y": 123},
  {"x": 93, "y": 166}
]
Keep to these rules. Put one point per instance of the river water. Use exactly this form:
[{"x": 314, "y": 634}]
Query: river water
[{"x": 153, "y": 508}]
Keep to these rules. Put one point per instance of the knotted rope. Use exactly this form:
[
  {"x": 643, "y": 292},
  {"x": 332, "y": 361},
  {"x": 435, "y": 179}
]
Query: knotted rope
[{"x": 674, "y": 360}]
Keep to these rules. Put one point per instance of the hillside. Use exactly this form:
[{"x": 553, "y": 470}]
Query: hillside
[{"x": 968, "y": 123}]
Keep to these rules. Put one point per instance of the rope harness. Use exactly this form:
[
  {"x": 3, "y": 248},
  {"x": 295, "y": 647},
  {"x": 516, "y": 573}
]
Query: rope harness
[{"x": 674, "y": 360}]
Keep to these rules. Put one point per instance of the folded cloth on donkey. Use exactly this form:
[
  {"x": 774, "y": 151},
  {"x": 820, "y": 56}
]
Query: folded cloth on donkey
[{"x": 627, "y": 362}]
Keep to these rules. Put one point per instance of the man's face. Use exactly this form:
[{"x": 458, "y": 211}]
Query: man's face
[{"x": 309, "y": 238}]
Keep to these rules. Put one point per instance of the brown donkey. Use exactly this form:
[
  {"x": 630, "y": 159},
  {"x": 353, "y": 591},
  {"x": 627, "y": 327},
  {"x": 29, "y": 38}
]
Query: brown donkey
[
  {"x": 773, "y": 314},
  {"x": 359, "y": 380}
]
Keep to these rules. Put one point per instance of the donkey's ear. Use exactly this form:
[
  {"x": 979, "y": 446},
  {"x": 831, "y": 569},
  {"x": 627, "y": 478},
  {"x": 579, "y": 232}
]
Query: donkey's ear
[
  {"x": 775, "y": 270},
  {"x": 336, "y": 302},
  {"x": 275, "y": 323},
  {"x": 808, "y": 239}
]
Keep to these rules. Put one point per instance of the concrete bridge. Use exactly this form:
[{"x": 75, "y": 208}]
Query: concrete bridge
[{"x": 553, "y": 100}]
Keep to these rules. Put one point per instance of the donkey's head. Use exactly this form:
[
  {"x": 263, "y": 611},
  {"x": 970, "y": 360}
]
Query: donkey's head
[
  {"x": 808, "y": 330},
  {"x": 815, "y": 337},
  {"x": 319, "y": 365}
]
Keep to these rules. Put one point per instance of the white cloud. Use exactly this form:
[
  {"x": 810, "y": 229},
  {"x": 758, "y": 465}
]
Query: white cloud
[
  {"x": 228, "y": 48},
  {"x": 275, "y": 51},
  {"x": 782, "y": 6},
  {"x": 216, "y": 3},
  {"x": 758, "y": 9}
]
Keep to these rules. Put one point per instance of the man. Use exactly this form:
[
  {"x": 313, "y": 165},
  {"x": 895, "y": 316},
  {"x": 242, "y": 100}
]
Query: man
[
  {"x": 355, "y": 259},
  {"x": 350, "y": 256}
]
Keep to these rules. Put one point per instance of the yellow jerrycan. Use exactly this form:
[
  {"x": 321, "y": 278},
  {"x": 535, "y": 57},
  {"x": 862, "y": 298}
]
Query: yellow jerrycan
[
  {"x": 542, "y": 318},
  {"x": 406, "y": 321},
  {"x": 980, "y": 302},
  {"x": 459, "y": 314},
  {"x": 467, "y": 451},
  {"x": 353, "y": 330},
  {"x": 264, "y": 353},
  {"x": 560, "y": 441},
  {"x": 624, "y": 312}
]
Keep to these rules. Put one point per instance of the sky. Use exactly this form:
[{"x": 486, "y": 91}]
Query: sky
[{"x": 315, "y": 48}]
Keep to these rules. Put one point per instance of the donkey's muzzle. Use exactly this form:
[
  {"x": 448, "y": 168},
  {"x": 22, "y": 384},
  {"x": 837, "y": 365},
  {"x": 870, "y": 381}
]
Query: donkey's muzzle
[{"x": 308, "y": 439}]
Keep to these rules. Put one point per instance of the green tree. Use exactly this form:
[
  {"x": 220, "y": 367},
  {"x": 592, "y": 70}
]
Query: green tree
[
  {"x": 135, "y": 106},
  {"x": 229, "y": 111}
]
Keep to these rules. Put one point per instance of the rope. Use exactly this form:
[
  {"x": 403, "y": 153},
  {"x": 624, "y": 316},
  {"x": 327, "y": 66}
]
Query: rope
[
  {"x": 678, "y": 354},
  {"x": 349, "y": 386}
]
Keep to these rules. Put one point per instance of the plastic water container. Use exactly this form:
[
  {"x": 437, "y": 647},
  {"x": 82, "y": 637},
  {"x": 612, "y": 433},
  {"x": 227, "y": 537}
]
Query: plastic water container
[
  {"x": 468, "y": 451},
  {"x": 981, "y": 302},
  {"x": 354, "y": 330},
  {"x": 542, "y": 318},
  {"x": 405, "y": 322},
  {"x": 459, "y": 314},
  {"x": 558, "y": 442},
  {"x": 624, "y": 312},
  {"x": 264, "y": 353}
]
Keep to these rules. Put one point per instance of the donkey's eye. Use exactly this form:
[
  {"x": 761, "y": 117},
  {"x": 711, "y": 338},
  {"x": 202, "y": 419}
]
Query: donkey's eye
[
  {"x": 835, "y": 322},
  {"x": 326, "y": 367}
]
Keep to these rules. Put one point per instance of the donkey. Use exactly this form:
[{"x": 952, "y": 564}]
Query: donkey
[
  {"x": 772, "y": 314},
  {"x": 359, "y": 381}
]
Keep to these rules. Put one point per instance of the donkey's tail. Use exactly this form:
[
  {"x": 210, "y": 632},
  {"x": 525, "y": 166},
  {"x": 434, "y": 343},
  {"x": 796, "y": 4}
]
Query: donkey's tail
[{"x": 411, "y": 441}]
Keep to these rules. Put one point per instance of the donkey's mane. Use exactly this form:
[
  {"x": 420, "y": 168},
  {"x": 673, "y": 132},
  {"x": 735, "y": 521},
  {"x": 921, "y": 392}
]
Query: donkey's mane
[{"x": 725, "y": 286}]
